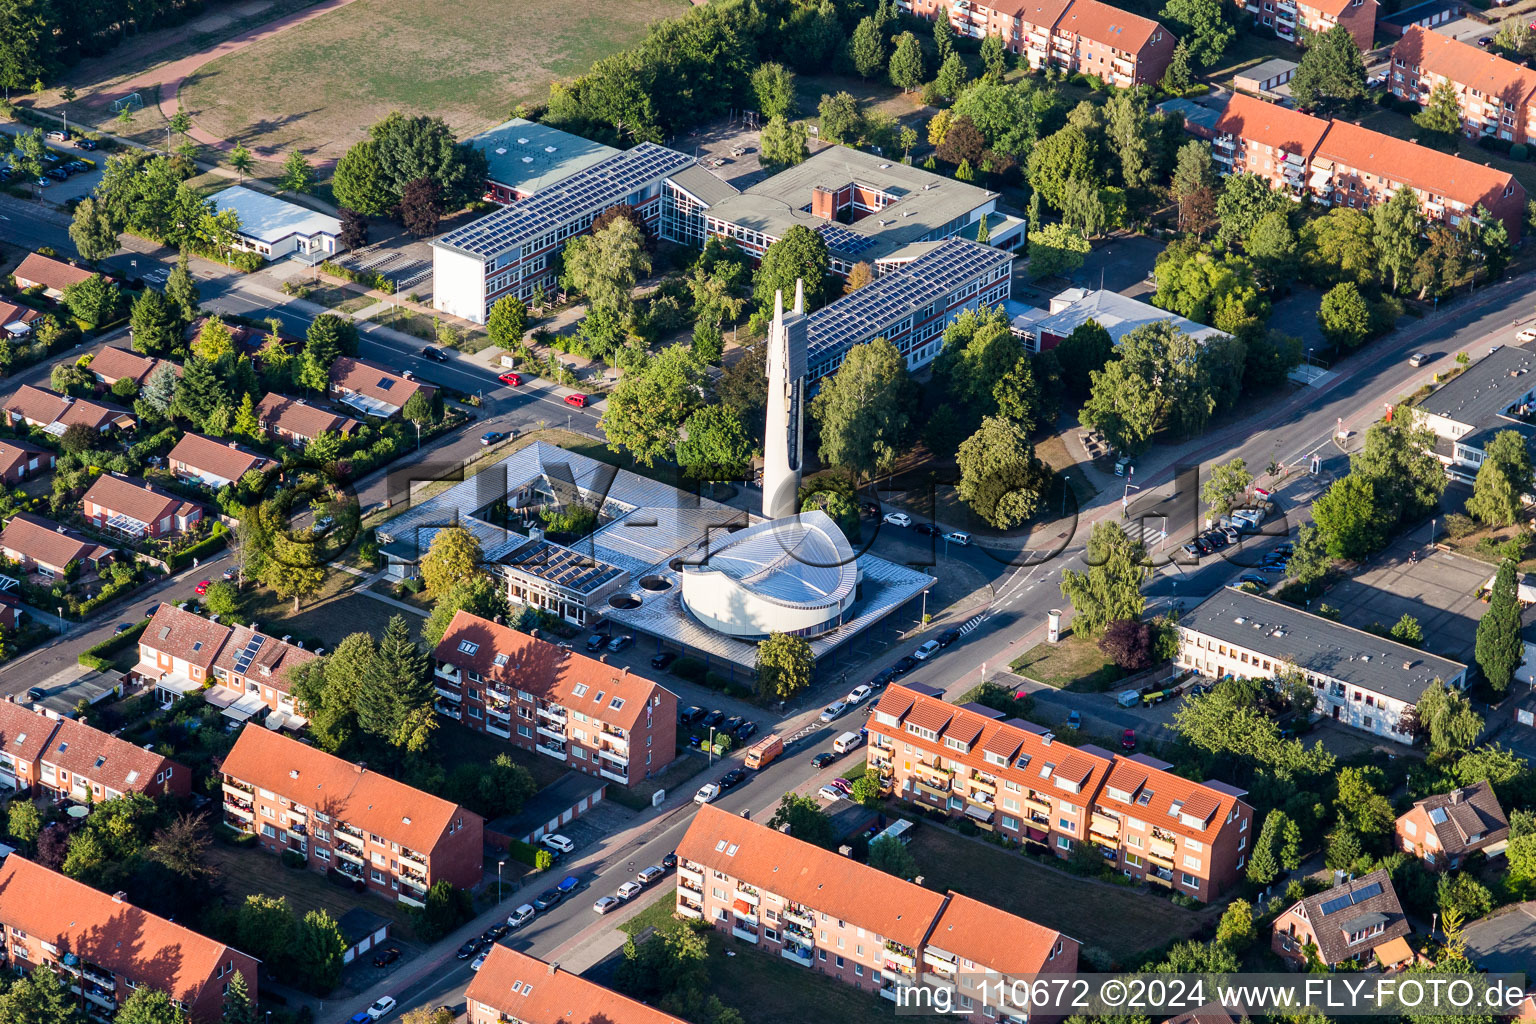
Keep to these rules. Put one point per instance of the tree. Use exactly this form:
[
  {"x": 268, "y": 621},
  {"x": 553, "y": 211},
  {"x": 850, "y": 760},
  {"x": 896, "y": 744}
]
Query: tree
[
  {"x": 952, "y": 76},
  {"x": 1160, "y": 380},
  {"x": 298, "y": 176},
  {"x": 861, "y": 408},
  {"x": 421, "y": 207},
  {"x": 181, "y": 289},
  {"x": 1441, "y": 116},
  {"x": 318, "y": 948},
  {"x": 1515, "y": 38},
  {"x": 214, "y": 340},
  {"x": 1226, "y": 482},
  {"x": 358, "y": 182},
  {"x": 453, "y": 555},
  {"x": 801, "y": 255},
  {"x": 784, "y": 665},
  {"x": 866, "y": 48},
  {"x": 649, "y": 405},
  {"x": 264, "y": 927},
  {"x": 866, "y": 790},
  {"x": 1244, "y": 201},
  {"x": 153, "y": 325},
  {"x": 907, "y": 69},
  {"x": 859, "y": 276},
  {"x": 1128, "y": 643},
  {"x": 476, "y": 594},
  {"x": 1359, "y": 802},
  {"x": 1351, "y": 518},
  {"x": 1087, "y": 349},
  {"x": 241, "y": 160},
  {"x": 414, "y": 148},
  {"x": 24, "y": 822},
  {"x": 330, "y": 337},
  {"x": 1236, "y": 930},
  {"x": 803, "y": 818},
  {"x": 38, "y": 997},
  {"x": 1398, "y": 460},
  {"x": 1194, "y": 186},
  {"x": 1446, "y": 717},
  {"x": 1273, "y": 248},
  {"x": 891, "y": 855},
  {"x": 238, "y": 1007},
  {"x": 605, "y": 265},
  {"x": 1127, "y": 128},
  {"x": 1264, "y": 865},
  {"x": 1059, "y": 160},
  {"x": 1001, "y": 479},
  {"x": 1499, "y": 649},
  {"x": 147, "y": 1005},
  {"x": 94, "y": 301},
  {"x": 774, "y": 86},
  {"x": 1111, "y": 588},
  {"x": 92, "y": 230},
  {"x": 354, "y": 229},
  {"x": 783, "y": 143},
  {"x": 1345, "y": 316},
  {"x": 1200, "y": 24},
  {"x": 1056, "y": 250},
  {"x": 507, "y": 321},
  {"x": 840, "y": 117},
  {"x": 1407, "y": 631},
  {"x": 1331, "y": 72},
  {"x": 1505, "y": 475},
  {"x": 1178, "y": 76},
  {"x": 200, "y": 391},
  {"x": 717, "y": 445},
  {"x": 1399, "y": 225}
]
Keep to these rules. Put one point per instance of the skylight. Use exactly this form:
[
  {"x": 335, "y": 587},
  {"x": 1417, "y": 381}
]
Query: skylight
[{"x": 468, "y": 647}]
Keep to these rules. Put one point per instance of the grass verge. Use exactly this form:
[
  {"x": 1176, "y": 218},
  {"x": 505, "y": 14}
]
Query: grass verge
[{"x": 1073, "y": 664}]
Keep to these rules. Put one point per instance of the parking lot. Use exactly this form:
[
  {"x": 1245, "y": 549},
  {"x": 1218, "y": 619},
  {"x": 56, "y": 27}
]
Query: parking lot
[{"x": 1440, "y": 590}]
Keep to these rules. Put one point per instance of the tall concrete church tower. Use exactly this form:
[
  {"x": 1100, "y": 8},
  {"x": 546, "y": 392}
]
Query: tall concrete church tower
[{"x": 784, "y": 432}]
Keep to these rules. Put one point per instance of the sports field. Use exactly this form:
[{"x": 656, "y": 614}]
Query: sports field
[{"x": 318, "y": 85}]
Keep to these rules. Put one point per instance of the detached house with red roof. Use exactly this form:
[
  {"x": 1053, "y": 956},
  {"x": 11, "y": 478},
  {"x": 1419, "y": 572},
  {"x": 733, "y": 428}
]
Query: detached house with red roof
[
  {"x": 513, "y": 986},
  {"x": 111, "y": 364},
  {"x": 136, "y": 508},
  {"x": 858, "y": 924},
  {"x": 1496, "y": 96},
  {"x": 1443, "y": 830},
  {"x": 1087, "y": 36},
  {"x": 16, "y": 320},
  {"x": 341, "y": 817},
  {"x": 1359, "y": 920},
  {"x": 596, "y": 718},
  {"x": 49, "y": 274},
  {"x": 39, "y": 545},
  {"x": 21, "y": 460},
  {"x": 373, "y": 390},
  {"x": 57, "y": 413},
  {"x": 296, "y": 421},
  {"x": 203, "y": 460},
  {"x": 102, "y": 947}
]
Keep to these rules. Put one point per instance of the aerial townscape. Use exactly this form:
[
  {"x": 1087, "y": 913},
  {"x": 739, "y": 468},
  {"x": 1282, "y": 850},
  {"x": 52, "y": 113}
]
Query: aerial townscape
[{"x": 764, "y": 511}]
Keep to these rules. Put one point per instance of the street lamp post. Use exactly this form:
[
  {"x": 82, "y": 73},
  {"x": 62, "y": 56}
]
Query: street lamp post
[
  {"x": 499, "y": 865},
  {"x": 418, "y": 435},
  {"x": 60, "y": 610},
  {"x": 711, "y": 753}
]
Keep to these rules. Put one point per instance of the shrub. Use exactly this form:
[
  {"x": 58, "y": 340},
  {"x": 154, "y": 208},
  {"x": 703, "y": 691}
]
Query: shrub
[
  {"x": 1519, "y": 151},
  {"x": 207, "y": 546},
  {"x": 97, "y": 656},
  {"x": 690, "y": 669},
  {"x": 1458, "y": 525},
  {"x": 292, "y": 859},
  {"x": 524, "y": 853}
]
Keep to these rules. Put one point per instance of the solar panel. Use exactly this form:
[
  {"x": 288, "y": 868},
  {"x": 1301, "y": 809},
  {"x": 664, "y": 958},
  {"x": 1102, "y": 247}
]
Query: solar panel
[
  {"x": 843, "y": 240},
  {"x": 1335, "y": 905},
  {"x": 1366, "y": 892},
  {"x": 246, "y": 656}
]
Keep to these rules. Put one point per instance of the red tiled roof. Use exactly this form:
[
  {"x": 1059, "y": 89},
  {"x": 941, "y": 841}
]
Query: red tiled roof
[
  {"x": 45, "y": 407},
  {"x": 365, "y": 799},
  {"x": 1040, "y": 13},
  {"x": 1154, "y": 792},
  {"x": 555, "y": 673},
  {"x": 864, "y": 896},
  {"x": 1466, "y": 65},
  {"x": 994, "y": 938},
  {"x": 114, "y": 935},
  {"x": 113, "y": 364},
  {"x": 374, "y": 382},
  {"x": 1271, "y": 124},
  {"x": 47, "y": 542},
  {"x": 49, "y": 272},
  {"x": 14, "y": 454},
  {"x": 933, "y": 715},
  {"x": 226, "y": 460},
  {"x": 10, "y": 312},
  {"x": 297, "y": 417},
  {"x": 1400, "y": 162},
  {"x": 530, "y": 990},
  {"x": 1107, "y": 25},
  {"x": 185, "y": 635},
  {"x": 88, "y": 752},
  {"x": 135, "y": 498},
  {"x": 1333, "y": 7},
  {"x": 269, "y": 664},
  {"x": 24, "y": 733}
]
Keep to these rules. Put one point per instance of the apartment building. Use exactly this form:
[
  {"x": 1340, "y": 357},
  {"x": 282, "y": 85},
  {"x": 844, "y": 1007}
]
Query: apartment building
[
  {"x": 512, "y": 986},
  {"x": 137, "y": 508},
  {"x": 57, "y": 413},
  {"x": 1292, "y": 19},
  {"x": 1014, "y": 778},
  {"x": 60, "y": 757},
  {"x": 1497, "y": 97},
  {"x": 511, "y": 251},
  {"x": 1357, "y": 918},
  {"x": 296, "y": 421},
  {"x": 596, "y": 718},
  {"x": 42, "y": 546},
  {"x": 1444, "y": 829},
  {"x": 1361, "y": 680},
  {"x": 855, "y": 923},
  {"x": 344, "y": 818},
  {"x": 1085, "y": 36},
  {"x": 1342, "y": 164},
  {"x": 102, "y": 947}
]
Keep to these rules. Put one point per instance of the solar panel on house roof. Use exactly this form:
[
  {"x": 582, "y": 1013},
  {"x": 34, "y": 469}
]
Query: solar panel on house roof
[
  {"x": 1335, "y": 905},
  {"x": 243, "y": 662},
  {"x": 1365, "y": 892}
]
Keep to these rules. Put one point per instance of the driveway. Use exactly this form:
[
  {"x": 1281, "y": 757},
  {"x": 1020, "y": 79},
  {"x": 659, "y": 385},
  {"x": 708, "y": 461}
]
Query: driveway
[{"x": 1506, "y": 942}]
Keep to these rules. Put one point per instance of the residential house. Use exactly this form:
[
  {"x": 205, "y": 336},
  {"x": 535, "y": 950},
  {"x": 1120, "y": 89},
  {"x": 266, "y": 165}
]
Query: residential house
[
  {"x": 102, "y": 947},
  {"x": 16, "y": 319},
  {"x": 513, "y": 986},
  {"x": 1292, "y": 20},
  {"x": 1444, "y": 829},
  {"x": 1361, "y": 680},
  {"x": 342, "y": 817},
  {"x": 24, "y": 735},
  {"x": 1496, "y": 96},
  {"x": 855, "y": 923},
  {"x": 1012, "y": 777},
  {"x": 1267, "y": 139},
  {"x": 1488, "y": 397},
  {"x": 296, "y": 421},
  {"x": 276, "y": 228},
  {"x": 373, "y": 390},
  {"x": 599, "y": 719},
  {"x": 137, "y": 508},
  {"x": 57, "y": 413},
  {"x": 49, "y": 274},
  {"x": 21, "y": 460},
  {"x": 112, "y": 364},
  {"x": 213, "y": 463},
  {"x": 45, "y": 547},
  {"x": 1359, "y": 917},
  {"x": 83, "y": 763},
  {"x": 176, "y": 651}
]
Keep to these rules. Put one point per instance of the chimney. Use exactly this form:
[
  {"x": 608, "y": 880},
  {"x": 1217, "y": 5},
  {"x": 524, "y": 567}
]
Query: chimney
[
  {"x": 554, "y": 965},
  {"x": 603, "y": 657},
  {"x": 362, "y": 766},
  {"x": 1455, "y": 796},
  {"x": 823, "y": 203},
  {"x": 119, "y": 896},
  {"x": 624, "y": 672}
]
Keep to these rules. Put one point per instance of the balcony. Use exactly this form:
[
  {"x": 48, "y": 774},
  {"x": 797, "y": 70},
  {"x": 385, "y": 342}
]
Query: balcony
[
  {"x": 553, "y": 712},
  {"x": 798, "y": 918},
  {"x": 890, "y": 991},
  {"x": 348, "y": 857},
  {"x": 616, "y": 776},
  {"x": 981, "y": 798},
  {"x": 984, "y": 783},
  {"x": 413, "y": 860},
  {"x": 1160, "y": 876},
  {"x": 501, "y": 711},
  {"x": 938, "y": 792},
  {"x": 447, "y": 694},
  {"x": 350, "y": 835},
  {"x": 943, "y": 961},
  {"x": 350, "y": 870},
  {"x": 744, "y": 934},
  {"x": 689, "y": 909},
  {"x": 448, "y": 711},
  {"x": 690, "y": 879},
  {"x": 240, "y": 787},
  {"x": 747, "y": 896},
  {"x": 899, "y": 955},
  {"x": 554, "y": 750},
  {"x": 412, "y": 901},
  {"x": 240, "y": 826},
  {"x": 241, "y": 810},
  {"x": 796, "y": 954},
  {"x": 496, "y": 730},
  {"x": 1038, "y": 806},
  {"x": 550, "y": 732},
  {"x": 1105, "y": 825},
  {"x": 620, "y": 758},
  {"x": 447, "y": 672},
  {"x": 938, "y": 981}
]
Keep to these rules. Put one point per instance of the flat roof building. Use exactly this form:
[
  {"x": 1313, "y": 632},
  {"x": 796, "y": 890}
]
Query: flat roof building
[
  {"x": 1466, "y": 412},
  {"x": 1043, "y": 329},
  {"x": 524, "y": 158},
  {"x": 276, "y": 228}
]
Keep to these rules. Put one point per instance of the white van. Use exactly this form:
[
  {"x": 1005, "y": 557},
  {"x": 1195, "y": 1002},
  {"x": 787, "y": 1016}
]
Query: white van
[{"x": 847, "y": 741}]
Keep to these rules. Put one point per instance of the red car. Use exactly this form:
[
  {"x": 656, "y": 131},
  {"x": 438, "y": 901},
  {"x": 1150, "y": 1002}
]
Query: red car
[
  {"x": 510, "y": 378},
  {"x": 1128, "y": 740},
  {"x": 202, "y": 588},
  {"x": 578, "y": 400}
]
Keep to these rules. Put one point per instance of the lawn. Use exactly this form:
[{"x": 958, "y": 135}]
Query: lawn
[
  {"x": 319, "y": 85},
  {"x": 687, "y": 764},
  {"x": 244, "y": 872},
  {"x": 324, "y": 620},
  {"x": 1112, "y": 922},
  {"x": 460, "y": 745},
  {"x": 767, "y": 989},
  {"x": 1074, "y": 664},
  {"x": 657, "y": 915}
]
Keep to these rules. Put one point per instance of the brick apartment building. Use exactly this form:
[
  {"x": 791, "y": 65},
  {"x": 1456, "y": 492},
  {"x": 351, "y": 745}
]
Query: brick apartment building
[
  {"x": 59, "y": 757},
  {"x": 1094, "y": 38},
  {"x": 855, "y": 923},
  {"x": 1342, "y": 164},
  {"x": 1014, "y": 778},
  {"x": 341, "y": 817},
  {"x": 1359, "y": 919},
  {"x": 596, "y": 718},
  {"x": 513, "y": 986},
  {"x": 1445, "y": 829},
  {"x": 296, "y": 421},
  {"x": 103, "y": 947},
  {"x": 137, "y": 508},
  {"x": 1290, "y": 19},
  {"x": 1497, "y": 97}
]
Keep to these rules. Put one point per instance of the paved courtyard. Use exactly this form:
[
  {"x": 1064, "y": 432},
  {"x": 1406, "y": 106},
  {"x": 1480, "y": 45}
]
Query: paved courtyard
[
  {"x": 1506, "y": 942},
  {"x": 1440, "y": 591}
]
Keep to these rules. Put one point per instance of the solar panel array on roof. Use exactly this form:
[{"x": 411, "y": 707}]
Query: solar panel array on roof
[
  {"x": 564, "y": 568},
  {"x": 243, "y": 662},
  {"x": 1360, "y": 895},
  {"x": 843, "y": 240},
  {"x": 599, "y": 186}
]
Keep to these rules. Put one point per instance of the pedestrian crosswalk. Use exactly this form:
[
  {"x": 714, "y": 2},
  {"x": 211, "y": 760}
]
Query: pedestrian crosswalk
[{"x": 1149, "y": 531}]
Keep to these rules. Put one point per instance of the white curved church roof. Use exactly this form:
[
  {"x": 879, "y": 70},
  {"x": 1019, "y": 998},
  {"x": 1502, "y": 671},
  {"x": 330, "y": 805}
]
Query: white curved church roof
[{"x": 801, "y": 560}]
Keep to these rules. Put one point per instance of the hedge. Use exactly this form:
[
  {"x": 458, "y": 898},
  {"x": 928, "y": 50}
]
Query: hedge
[
  {"x": 206, "y": 546},
  {"x": 96, "y": 657},
  {"x": 523, "y": 853}
]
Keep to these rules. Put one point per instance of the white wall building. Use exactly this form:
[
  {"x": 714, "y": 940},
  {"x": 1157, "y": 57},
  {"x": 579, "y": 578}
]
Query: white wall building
[{"x": 276, "y": 228}]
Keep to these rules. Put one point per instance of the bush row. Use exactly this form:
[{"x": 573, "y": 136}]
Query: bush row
[
  {"x": 207, "y": 546},
  {"x": 98, "y": 656}
]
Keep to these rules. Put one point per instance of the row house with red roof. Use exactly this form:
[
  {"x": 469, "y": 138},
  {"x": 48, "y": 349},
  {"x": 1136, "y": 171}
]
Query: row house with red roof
[
  {"x": 1496, "y": 96},
  {"x": 1016, "y": 779},
  {"x": 111, "y": 364},
  {"x": 341, "y": 817},
  {"x": 20, "y": 460},
  {"x": 1343, "y": 164},
  {"x": 55, "y": 414},
  {"x": 596, "y": 718},
  {"x": 62, "y": 757},
  {"x": 855, "y": 923},
  {"x": 513, "y": 986},
  {"x": 102, "y": 947},
  {"x": 1084, "y": 36}
]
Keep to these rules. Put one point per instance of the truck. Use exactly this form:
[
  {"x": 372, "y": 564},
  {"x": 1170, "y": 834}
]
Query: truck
[{"x": 762, "y": 753}]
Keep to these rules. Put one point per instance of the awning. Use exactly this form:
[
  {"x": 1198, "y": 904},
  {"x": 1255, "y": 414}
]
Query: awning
[
  {"x": 979, "y": 813},
  {"x": 222, "y": 696},
  {"x": 743, "y": 907},
  {"x": 177, "y": 684},
  {"x": 1393, "y": 951},
  {"x": 248, "y": 704},
  {"x": 1320, "y": 177},
  {"x": 1496, "y": 849}
]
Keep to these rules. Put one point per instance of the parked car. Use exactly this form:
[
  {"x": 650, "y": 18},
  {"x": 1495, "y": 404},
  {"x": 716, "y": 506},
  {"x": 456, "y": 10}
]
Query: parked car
[
  {"x": 78, "y": 166},
  {"x": 322, "y": 524},
  {"x": 490, "y": 437},
  {"x": 568, "y": 885},
  {"x": 823, "y": 759},
  {"x": 629, "y": 890},
  {"x": 690, "y": 714},
  {"x": 511, "y": 379},
  {"x": 1529, "y": 334},
  {"x": 618, "y": 643},
  {"x": 830, "y": 792},
  {"x": 386, "y": 957},
  {"x": 928, "y": 529},
  {"x": 433, "y": 353},
  {"x": 468, "y": 950},
  {"x": 926, "y": 651},
  {"x": 202, "y": 588},
  {"x": 44, "y": 183},
  {"x": 733, "y": 723},
  {"x": 707, "y": 794},
  {"x": 1074, "y": 720},
  {"x": 1418, "y": 359},
  {"x": 897, "y": 519},
  {"x": 1128, "y": 740},
  {"x": 868, "y": 508},
  {"x": 669, "y": 862},
  {"x": 1194, "y": 549},
  {"x": 547, "y": 899},
  {"x": 381, "y": 1007},
  {"x": 745, "y": 730},
  {"x": 555, "y": 841},
  {"x": 58, "y": 174},
  {"x": 858, "y": 693},
  {"x": 1254, "y": 578},
  {"x": 230, "y": 574},
  {"x": 578, "y": 400},
  {"x": 884, "y": 678},
  {"x": 479, "y": 962},
  {"x": 654, "y": 873},
  {"x": 495, "y": 932},
  {"x": 843, "y": 786},
  {"x": 605, "y": 904},
  {"x": 905, "y": 665},
  {"x": 521, "y": 916},
  {"x": 713, "y": 719},
  {"x": 57, "y": 135},
  {"x": 959, "y": 537},
  {"x": 732, "y": 779},
  {"x": 948, "y": 637},
  {"x": 663, "y": 659},
  {"x": 832, "y": 712}
]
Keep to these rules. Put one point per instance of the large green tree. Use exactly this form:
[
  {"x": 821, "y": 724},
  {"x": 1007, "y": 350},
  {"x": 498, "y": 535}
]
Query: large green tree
[
  {"x": 1499, "y": 648},
  {"x": 801, "y": 255},
  {"x": 477, "y": 594},
  {"x": 604, "y": 266},
  {"x": 1446, "y": 718},
  {"x": 1502, "y": 480},
  {"x": 358, "y": 182},
  {"x": 1351, "y": 518},
  {"x": 1110, "y": 589},
  {"x": 1399, "y": 229},
  {"x": 1158, "y": 381},
  {"x": 453, "y": 555},
  {"x": 1344, "y": 316},
  {"x": 318, "y": 950},
  {"x": 1056, "y": 250},
  {"x": 1201, "y": 24},
  {"x": 862, "y": 409},
  {"x": 1059, "y": 161},
  {"x": 784, "y": 666},
  {"x": 717, "y": 445},
  {"x": 424, "y": 148},
  {"x": 1398, "y": 460},
  {"x": 39, "y": 997},
  {"x": 148, "y": 1005},
  {"x": 1441, "y": 115},
  {"x": 153, "y": 324},
  {"x": 1331, "y": 73},
  {"x": 650, "y": 404},
  {"x": 1087, "y": 349},
  {"x": 1001, "y": 479},
  {"x": 93, "y": 231}
]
